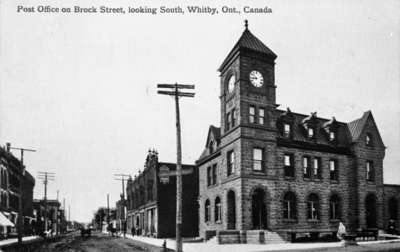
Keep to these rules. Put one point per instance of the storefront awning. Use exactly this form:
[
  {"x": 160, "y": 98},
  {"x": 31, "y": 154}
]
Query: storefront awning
[{"x": 4, "y": 221}]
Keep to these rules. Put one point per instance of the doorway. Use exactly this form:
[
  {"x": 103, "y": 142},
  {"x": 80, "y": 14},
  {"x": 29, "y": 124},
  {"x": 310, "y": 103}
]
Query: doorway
[
  {"x": 231, "y": 210},
  {"x": 258, "y": 206},
  {"x": 370, "y": 211}
]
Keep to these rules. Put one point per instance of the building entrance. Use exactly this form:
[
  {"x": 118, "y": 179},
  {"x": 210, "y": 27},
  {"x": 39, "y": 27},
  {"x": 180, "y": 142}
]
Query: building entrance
[
  {"x": 258, "y": 206},
  {"x": 370, "y": 208},
  {"x": 231, "y": 210}
]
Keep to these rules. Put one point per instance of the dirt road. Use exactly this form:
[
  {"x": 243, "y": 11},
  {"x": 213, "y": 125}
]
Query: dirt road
[{"x": 96, "y": 243}]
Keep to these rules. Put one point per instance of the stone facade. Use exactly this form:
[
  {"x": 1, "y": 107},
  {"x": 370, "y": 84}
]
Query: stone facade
[
  {"x": 289, "y": 172},
  {"x": 391, "y": 206},
  {"x": 151, "y": 199}
]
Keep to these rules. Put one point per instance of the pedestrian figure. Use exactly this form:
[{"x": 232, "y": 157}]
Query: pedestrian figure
[
  {"x": 114, "y": 228},
  {"x": 392, "y": 226},
  {"x": 124, "y": 228},
  {"x": 133, "y": 230},
  {"x": 341, "y": 231}
]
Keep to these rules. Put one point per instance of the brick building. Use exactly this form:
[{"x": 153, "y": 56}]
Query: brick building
[
  {"x": 151, "y": 199},
  {"x": 10, "y": 179},
  {"x": 283, "y": 172}
]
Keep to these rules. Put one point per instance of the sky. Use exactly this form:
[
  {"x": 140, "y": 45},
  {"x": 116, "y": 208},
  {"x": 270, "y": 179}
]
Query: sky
[{"x": 81, "y": 88}]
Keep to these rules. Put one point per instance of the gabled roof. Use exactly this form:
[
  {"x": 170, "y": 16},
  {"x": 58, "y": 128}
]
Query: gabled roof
[
  {"x": 215, "y": 131},
  {"x": 250, "y": 42},
  {"x": 356, "y": 126}
]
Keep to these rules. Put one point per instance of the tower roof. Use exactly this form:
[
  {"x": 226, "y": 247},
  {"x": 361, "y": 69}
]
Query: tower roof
[{"x": 250, "y": 42}]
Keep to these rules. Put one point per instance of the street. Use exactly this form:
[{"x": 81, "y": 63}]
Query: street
[{"x": 97, "y": 242}]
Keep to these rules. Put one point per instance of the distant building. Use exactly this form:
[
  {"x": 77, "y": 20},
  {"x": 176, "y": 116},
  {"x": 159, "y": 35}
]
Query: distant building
[
  {"x": 151, "y": 199},
  {"x": 284, "y": 172},
  {"x": 56, "y": 222},
  {"x": 10, "y": 179},
  {"x": 120, "y": 212},
  {"x": 103, "y": 216}
]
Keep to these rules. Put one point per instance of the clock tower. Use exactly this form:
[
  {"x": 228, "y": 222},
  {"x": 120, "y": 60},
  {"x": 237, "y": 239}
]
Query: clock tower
[{"x": 247, "y": 84}]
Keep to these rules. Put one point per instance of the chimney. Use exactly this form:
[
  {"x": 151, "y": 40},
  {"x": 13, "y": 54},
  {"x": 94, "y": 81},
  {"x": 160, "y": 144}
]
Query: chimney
[{"x": 8, "y": 147}]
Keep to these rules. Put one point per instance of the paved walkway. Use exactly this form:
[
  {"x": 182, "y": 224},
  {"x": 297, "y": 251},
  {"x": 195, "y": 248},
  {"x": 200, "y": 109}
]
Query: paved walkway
[
  {"x": 15, "y": 240},
  {"x": 213, "y": 246}
]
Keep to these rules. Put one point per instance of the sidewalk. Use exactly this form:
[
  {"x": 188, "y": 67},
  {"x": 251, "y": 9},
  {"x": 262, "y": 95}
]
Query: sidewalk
[
  {"x": 213, "y": 246},
  {"x": 15, "y": 240}
]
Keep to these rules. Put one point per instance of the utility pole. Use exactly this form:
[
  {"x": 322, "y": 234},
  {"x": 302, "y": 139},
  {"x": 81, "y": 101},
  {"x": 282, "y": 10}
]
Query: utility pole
[
  {"x": 45, "y": 177},
  {"x": 21, "y": 182},
  {"x": 57, "y": 223},
  {"x": 108, "y": 209},
  {"x": 64, "y": 217},
  {"x": 174, "y": 90},
  {"x": 122, "y": 177}
]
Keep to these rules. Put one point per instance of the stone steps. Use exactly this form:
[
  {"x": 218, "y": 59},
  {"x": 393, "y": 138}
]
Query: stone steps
[
  {"x": 263, "y": 237},
  {"x": 248, "y": 236}
]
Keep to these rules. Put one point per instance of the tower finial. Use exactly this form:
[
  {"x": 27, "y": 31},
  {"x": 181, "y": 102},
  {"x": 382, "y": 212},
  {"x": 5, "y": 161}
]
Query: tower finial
[{"x": 246, "y": 24}]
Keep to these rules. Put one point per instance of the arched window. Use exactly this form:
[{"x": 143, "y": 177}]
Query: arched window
[
  {"x": 207, "y": 211},
  {"x": 149, "y": 190},
  {"x": 313, "y": 207},
  {"x": 209, "y": 176},
  {"x": 217, "y": 210},
  {"x": 393, "y": 209},
  {"x": 334, "y": 207},
  {"x": 369, "y": 166},
  {"x": 141, "y": 193},
  {"x": 289, "y": 206},
  {"x": 368, "y": 139}
]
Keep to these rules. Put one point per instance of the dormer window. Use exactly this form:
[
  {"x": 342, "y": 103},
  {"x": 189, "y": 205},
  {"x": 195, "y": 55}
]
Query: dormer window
[
  {"x": 310, "y": 124},
  {"x": 331, "y": 128},
  {"x": 211, "y": 147},
  {"x": 332, "y": 136},
  {"x": 286, "y": 130},
  {"x": 310, "y": 132}
]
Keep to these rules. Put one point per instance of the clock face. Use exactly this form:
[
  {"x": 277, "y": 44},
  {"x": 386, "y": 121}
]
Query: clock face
[
  {"x": 256, "y": 78},
  {"x": 231, "y": 83}
]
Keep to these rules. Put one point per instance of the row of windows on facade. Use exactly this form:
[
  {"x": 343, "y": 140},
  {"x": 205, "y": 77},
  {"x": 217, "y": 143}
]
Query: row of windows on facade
[
  {"x": 3, "y": 178},
  {"x": 287, "y": 132},
  {"x": 253, "y": 118},
  {"x": 311, "y": 166},
  {"x": 257, "y": 116},
  {"x": 3, "y": 199},
  {"x": 289, "y": 208},
  {"x": 137, "y": 198}
]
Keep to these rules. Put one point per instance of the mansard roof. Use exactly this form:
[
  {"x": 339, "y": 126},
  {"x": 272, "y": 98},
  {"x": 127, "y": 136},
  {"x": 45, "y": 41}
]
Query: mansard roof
[
  {"x": 250, "y": 42},
  {"x": 347, "y": 133},
  {"x": 299, "y": 134}
]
